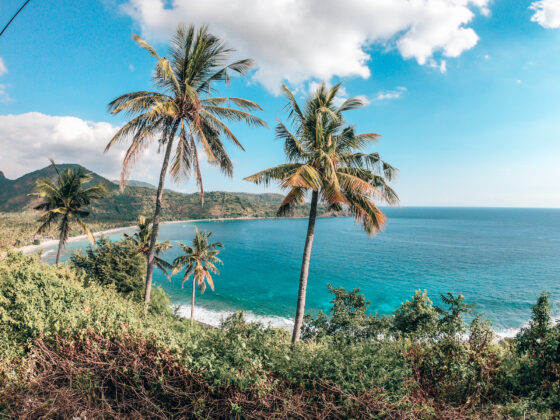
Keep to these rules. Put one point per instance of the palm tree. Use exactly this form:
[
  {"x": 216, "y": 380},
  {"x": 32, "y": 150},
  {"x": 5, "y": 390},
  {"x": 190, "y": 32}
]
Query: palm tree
[
  {"x": 142, "y": 241},
  {"x": 200, "y": 260},
  {"x": 183, "y": 113},
  {"x": 65, "y": 201},
  {"x": 325, "y": 156}
]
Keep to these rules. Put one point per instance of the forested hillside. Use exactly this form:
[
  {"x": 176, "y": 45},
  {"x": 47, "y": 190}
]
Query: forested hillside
[{"x": 17, "y": 225}]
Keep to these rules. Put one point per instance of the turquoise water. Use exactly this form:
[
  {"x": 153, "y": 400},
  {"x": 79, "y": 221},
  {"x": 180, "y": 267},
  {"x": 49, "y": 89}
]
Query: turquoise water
[{"x": 499, "y": 259}]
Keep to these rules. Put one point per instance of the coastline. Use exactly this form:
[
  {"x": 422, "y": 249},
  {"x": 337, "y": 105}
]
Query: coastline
[{"x": 50, "y": 242}]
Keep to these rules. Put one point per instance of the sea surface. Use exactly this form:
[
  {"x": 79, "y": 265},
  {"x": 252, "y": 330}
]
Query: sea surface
[{"x": 499, "y": 259}]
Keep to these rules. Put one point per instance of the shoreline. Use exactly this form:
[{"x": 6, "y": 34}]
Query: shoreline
[{"x": 50, "y": 242}]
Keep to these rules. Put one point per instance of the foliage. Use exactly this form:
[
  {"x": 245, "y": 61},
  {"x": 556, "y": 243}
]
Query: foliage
[
  {"x": 416, "y": 317},
  {"x": 199, "y": 260},
  {"x": 538, "y": 348},
  {"x": 56, "y": 324},
  {"x": 160, "y": 303},
  {"x": 67, "y": 200},
  {"x": 116, "y": 264},
  {"x": 141, "y": 240},
  {"x": 326, "y": 155},
  {"x": 185, "y": 105},
  {"x": 349, "y": 320}
]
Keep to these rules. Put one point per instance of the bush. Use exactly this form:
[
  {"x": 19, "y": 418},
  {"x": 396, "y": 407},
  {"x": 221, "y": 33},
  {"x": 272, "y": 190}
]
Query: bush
[
  {"x": 537, "y": 366},
  {"x": 349, "y": 320},
  {"x": 416, "y": 317},
  {"x": 117, "y": 264}
]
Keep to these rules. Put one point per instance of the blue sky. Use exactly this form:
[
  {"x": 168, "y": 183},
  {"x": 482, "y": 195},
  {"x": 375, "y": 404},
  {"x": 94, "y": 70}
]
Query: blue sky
[{"x": 464, "y": 92}]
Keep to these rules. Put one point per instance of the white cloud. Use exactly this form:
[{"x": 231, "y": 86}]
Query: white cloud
[
  {"x": 441, "y": 66},
  {"x": 4, "y": 97},
  {"x": 29, "y": 140},
  {"x": 385, "y": 95},
  {"x": 547, "y": 13},
  {"x": 298, "y": 40}
]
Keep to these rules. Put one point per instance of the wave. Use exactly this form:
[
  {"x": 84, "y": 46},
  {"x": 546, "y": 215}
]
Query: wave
[
  {"x": 215, "y": 317},
  {"x": 512, "y": 332}
]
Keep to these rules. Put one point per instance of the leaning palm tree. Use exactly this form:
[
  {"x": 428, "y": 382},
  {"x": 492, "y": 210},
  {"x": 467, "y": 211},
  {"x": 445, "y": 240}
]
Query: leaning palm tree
[
  {"x": 183, "y": 115},
  {"x": 142, "y": 241},
  {"x": 65, "y": 201},
  {"x": 325, "y": 156},
  {"x": 200, "y": 260}
]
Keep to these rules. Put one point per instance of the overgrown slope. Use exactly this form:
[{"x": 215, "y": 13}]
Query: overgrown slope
[{"x": 69, "y": 347}]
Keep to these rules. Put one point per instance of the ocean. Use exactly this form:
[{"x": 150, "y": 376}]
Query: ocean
[{"x": 499, "y": 259}]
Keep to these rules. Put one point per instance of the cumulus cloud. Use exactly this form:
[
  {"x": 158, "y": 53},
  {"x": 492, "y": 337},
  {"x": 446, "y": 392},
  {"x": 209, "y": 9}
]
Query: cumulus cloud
[
  {"x": 547, "y": 13},
  {"x": 3, "y": 68},
  {"x": 297, "y": 40},
  {"x": 29, "y": 140}
]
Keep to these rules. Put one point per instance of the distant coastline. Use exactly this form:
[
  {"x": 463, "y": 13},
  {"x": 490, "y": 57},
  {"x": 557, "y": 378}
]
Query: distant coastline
[{"x": 50, "y": 242}]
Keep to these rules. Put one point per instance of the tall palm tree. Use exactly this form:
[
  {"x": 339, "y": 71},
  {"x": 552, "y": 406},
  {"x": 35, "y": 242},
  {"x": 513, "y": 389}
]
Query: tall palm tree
[
  {"x": 200, "y": 260},
  {"x": 183, "y": 113},
  {"x": 325, "y": 156},
  {"x": 65, "y": 201},
  {"x": 142, "y": 241}
]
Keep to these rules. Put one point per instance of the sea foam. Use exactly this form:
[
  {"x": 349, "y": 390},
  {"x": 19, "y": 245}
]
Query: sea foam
[{"x": 215, "y": 317}]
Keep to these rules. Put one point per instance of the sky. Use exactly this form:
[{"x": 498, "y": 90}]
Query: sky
[{"x": 465, "y": 93}]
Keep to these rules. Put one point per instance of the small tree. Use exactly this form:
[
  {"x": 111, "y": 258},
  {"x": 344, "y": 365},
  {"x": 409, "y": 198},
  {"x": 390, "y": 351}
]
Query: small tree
[
  {"x": 200, "y": 260},
  {"x": 417, "y": 316},
  {"x": 66, "y": 201},
  {"x": 141, "y": 240},
  {"x": 113, "y": 263},
  {"x": 349, "y": 319}
]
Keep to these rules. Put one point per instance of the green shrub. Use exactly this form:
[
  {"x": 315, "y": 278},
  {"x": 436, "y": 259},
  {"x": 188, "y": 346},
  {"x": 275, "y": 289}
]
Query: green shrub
[
  {"x": 117, "y": 264},
  {"x": 349, "y": 319},
  {"x": 537, "y": 365},
  {"x": 41, "y": 300},
  {"x": 416, "y": 317}
]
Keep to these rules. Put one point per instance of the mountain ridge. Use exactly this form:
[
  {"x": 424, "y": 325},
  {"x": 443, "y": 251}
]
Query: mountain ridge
[{"x": 138, "y": 200}]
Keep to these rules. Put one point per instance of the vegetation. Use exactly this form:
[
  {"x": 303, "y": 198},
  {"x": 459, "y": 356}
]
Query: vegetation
[
  {"x": 141, "y": 240},
  {"x": 121, "y": 267},
  {"x": 325, "y": 157},
  {"x": 65, "y": 201},
  {"x": 18, "y": 224},
  {"x": 184, "y": 106},
  {"x": 71, "y": 346},
  {"x": 199, "y": 260}
]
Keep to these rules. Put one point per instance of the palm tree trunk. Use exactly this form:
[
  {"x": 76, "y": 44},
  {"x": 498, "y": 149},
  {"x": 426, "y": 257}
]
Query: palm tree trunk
[
  {"x": 64, "y": 227},
  {"x": 305, "y": 268},
  {"x": 192, "y": 300},
  {"x": 155, "y": 225},
  {"x": 59, "y": 252}
]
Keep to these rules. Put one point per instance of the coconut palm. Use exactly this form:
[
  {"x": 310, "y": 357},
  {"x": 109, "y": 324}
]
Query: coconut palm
[
  {"x": 65, "y": 201},
  {"x": 142, "y": 241},
  {"x": 183, "y": 115},
  {"x": 200, "y": 261},
  {"x": 325, "y": 156}
]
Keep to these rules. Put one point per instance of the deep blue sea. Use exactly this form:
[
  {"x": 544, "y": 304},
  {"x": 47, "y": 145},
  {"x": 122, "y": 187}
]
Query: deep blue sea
[{"x": 500, "y": 259}]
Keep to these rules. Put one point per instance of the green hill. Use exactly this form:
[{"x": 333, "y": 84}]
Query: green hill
[
  {"x": 17, "y": 218},
  {"x": 134, "y": 183},
  {"x": 14, "y": 194}
]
